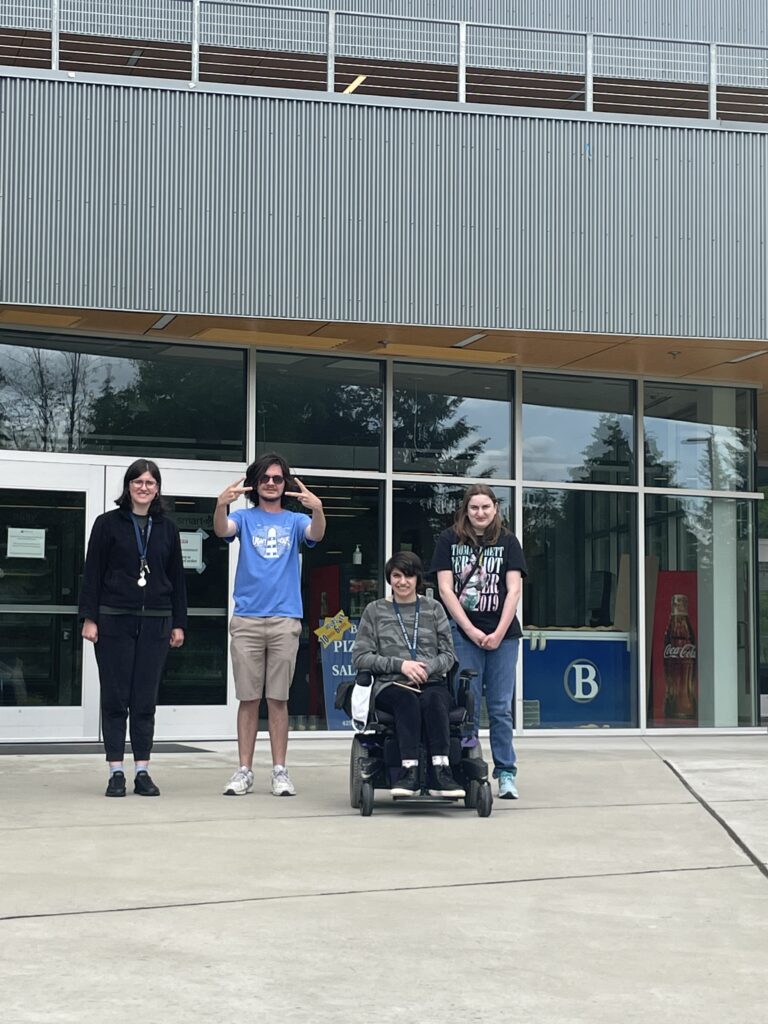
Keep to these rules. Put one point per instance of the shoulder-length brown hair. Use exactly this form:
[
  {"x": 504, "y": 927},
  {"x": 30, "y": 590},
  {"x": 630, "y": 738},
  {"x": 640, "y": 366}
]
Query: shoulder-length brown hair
[
  {"x": 157, "y": 508},
  {"x": 464, "y": 529}
]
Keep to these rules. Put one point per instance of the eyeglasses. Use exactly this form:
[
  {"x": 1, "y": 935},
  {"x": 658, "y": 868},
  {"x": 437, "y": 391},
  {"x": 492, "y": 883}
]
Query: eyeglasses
[
  {"x": 276, "y": 478},
  {"x": 144, "y": 484}
]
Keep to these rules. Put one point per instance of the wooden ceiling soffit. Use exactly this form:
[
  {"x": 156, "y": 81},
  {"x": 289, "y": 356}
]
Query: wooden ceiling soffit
[
  {"x": 117, "y": 323},
  {"x": 658, "y": 360},
  {"x": 270, "y": 340},
  {"x": 39, "y": 317}
]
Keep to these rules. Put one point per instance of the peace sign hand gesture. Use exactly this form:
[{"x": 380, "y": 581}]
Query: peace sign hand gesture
[
  {"x": 307, "y": 498},
  {"x": 232, "y": 493}
]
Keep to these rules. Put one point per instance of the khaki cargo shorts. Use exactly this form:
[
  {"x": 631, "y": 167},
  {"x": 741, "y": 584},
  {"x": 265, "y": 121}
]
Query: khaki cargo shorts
[{"x": 263, "y": 655}]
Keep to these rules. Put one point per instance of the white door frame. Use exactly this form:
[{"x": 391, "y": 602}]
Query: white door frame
[{"x": 26, "y": 722}]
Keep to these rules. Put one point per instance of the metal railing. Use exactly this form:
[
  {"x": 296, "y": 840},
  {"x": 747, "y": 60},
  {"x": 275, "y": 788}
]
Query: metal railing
[{"x": 259, "y": 44}]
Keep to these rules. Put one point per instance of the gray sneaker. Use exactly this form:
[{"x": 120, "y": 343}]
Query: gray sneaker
[
  {"x": 281, "y": 783},
  {"x": 240, "y": 783}
]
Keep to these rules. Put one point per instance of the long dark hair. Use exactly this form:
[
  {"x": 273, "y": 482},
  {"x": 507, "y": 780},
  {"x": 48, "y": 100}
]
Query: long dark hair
[
  {"x": 136, "y": 469},
  {"x": 463, "y": 527},
  {"x": 257, "y": 469}
]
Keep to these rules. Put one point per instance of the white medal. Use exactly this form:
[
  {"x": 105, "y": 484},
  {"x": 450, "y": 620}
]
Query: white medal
[{"x": 141, "y": 580}]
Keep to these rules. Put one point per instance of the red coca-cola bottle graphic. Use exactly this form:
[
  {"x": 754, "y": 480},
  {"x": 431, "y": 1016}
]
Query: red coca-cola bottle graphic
[{"x": 680, "y": 696}]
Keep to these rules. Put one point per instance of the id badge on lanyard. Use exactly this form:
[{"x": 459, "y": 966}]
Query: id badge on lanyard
[{"x": 142, "y": 548}]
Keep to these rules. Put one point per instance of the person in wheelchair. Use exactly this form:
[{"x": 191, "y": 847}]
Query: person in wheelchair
[{"x": 407, "y": 647}]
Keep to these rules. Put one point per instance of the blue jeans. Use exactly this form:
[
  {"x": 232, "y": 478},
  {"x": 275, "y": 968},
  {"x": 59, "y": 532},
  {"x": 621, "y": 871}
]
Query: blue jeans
[{"x": 496, "y": 678}]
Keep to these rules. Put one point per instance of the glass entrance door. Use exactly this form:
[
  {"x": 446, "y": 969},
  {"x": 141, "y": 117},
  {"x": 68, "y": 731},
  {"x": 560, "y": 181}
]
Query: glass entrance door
[
  {"x": 48, "y": 689},
  {"x": 195, "y": 701}
]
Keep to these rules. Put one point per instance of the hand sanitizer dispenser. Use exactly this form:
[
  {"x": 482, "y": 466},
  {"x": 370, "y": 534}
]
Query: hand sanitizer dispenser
[{"x": 357, "y": 556}]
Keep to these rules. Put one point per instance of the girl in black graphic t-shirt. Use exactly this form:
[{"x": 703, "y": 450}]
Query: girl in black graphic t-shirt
[{"x": 480, "y": 566}]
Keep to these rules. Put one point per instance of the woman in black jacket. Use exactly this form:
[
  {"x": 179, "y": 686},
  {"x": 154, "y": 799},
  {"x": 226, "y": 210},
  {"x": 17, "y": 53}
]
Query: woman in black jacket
[{"x": 133, "y": 606}]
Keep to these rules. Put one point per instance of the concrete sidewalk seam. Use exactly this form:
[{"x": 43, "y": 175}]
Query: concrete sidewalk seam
[
  {"x": 372, "y": 892},
  {"x": 516, "y": 808},
  {"x": 761, "y": 867}
]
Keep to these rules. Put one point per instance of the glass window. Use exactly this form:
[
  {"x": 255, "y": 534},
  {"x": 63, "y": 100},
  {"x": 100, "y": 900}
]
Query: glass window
[
  {"x": 422, "y": 511},
  {"x": 64, "y": 394},
  {"x": 579, "y": 429},
  {"x": 452, "y": 420},
  {"x": 341, "y": 574},
  {"x": 762, "y": 556},
  {"x": 579, "y": 654},
  {"x": 698, "y": 436},
  {"x": 699, "y": 594},
  {"x": 320, "y": 410},
  {"x": 197, "y": 672},
  {"x": 42, "y": 548}
]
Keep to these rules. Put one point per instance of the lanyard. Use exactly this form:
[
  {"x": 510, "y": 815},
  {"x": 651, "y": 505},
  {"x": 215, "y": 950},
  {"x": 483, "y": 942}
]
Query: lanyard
[
  {"x": 142, "y": 547},
  {"x": 412, "y": 647}
]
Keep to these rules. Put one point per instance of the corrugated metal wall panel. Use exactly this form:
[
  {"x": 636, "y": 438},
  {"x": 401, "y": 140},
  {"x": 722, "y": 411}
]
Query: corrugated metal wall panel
[
  {"x": 263, "y": 28},
  {"x": 127, "y": 198},
  {"x": 431, "y": 42},
  {"x": 226, "y": 23},
  {"x": 160, "y": 20},
  {"x": 616, "y": 57},
  {"x": 524, "y": 50},
  {"x": 736, "y": 21},
  {"x": 34, "y": 15}
]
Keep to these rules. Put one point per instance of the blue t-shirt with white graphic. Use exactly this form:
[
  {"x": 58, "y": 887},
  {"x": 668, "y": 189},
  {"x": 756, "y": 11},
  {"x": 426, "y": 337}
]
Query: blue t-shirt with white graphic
[{"x": 268, "y": 577}]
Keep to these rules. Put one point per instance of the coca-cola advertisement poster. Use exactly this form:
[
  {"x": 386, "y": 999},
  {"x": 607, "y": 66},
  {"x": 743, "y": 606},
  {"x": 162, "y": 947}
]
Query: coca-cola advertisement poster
[{"x": 674, "y": 664}]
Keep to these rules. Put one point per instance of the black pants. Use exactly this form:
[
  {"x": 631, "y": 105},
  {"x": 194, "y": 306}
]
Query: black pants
[
  {"x": 130, "y": 653},
  {"x": 411, "y": 708}
]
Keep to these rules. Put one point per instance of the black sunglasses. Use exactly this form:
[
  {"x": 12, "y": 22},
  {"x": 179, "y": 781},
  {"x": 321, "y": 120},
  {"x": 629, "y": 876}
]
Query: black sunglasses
[{"x": 276, "y": 478}]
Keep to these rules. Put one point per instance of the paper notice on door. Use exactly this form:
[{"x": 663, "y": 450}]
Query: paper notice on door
[
  {"x": 192, "y": 549},
  {"x": 24, "y": 542}
]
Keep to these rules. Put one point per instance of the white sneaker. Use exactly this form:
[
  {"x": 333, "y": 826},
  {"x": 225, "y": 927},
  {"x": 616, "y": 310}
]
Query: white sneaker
[
  {"x": 240, "y": 783},
  {"x": 281, "y": 783}
]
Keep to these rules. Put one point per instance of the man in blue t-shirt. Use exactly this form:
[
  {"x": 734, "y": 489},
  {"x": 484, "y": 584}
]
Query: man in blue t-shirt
[{"x": 266, "y": 625}]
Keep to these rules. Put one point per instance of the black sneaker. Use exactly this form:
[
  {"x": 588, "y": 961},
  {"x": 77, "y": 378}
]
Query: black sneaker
[
  {"x": 116, "y": 785},
  {"x": 408, "y": 783},
  {"x": 144, "y": 786},
  {"x": 445, "y": 784}
]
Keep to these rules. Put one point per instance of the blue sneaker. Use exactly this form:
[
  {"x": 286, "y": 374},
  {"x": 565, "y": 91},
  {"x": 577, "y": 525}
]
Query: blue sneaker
[{"x": 507, "y": 787}]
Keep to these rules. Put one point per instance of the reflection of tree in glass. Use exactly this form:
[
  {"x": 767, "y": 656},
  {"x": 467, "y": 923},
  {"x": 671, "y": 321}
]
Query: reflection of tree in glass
[
  {"x": 426, "y": 425},
  {"x": 47, "y": 398},
  {"x": 545, "y": 519},
  {"x": 607, "y": 459},
  {"x": 698, "y": 525},
  {"x": 5, "y": 427},
  {"x": 296, "y": 410},
  {"x": 724, "y": 457},
  {"x": 166, "y": 400},
  {"x": 664, "y": 471}
]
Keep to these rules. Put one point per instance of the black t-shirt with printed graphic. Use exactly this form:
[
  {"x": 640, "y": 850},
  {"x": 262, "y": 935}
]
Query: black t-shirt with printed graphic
[{"x": 485, "y": 569}]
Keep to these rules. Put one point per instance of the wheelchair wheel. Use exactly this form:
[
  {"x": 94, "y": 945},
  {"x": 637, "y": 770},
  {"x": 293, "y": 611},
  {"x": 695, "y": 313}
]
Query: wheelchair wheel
[
  {"x": 484, "y": 800},
  {"x": 366, "y": 799},
  {"x": 473, "y": 786},
  {"x": 355, "y": 778}
]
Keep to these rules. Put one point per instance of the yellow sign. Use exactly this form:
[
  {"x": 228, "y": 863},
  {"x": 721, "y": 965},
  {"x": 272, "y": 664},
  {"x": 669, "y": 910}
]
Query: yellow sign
[{"x": 333, "y": 628}]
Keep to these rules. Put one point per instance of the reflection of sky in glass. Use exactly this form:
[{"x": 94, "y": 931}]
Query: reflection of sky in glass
[
  {"x": 491, "y": 421},
  {"x": 695, "y": 455},
  {"x": 23, "y": 371},
  {"x": 555, "y": 442},
  {"x": 15, "y": 360}
]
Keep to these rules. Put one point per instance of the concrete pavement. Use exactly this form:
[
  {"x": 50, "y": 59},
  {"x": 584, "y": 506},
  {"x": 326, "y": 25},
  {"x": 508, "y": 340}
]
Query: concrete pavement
[{"x": 611, "y": 892}]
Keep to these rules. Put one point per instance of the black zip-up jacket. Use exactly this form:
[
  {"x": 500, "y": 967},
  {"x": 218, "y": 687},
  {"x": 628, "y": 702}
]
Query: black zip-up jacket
[{"x": 112, "y": 569}]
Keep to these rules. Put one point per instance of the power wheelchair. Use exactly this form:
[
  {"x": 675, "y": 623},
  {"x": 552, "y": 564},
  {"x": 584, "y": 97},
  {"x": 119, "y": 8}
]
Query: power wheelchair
[{"x": 375, "y": 761}]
